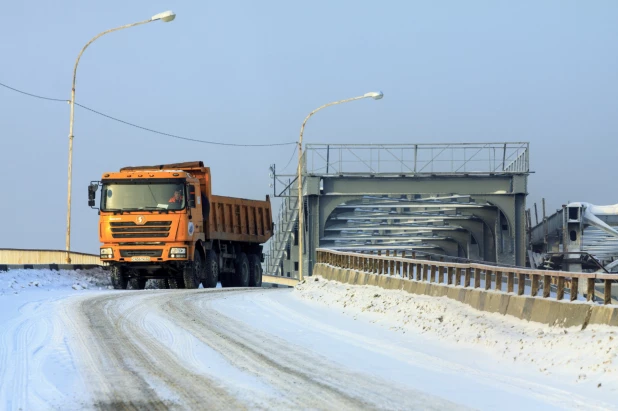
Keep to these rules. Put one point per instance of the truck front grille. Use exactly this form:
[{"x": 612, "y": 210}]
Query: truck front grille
[
  {"x": 129, "y": 229},
  {"x": 146, "y": 253}
]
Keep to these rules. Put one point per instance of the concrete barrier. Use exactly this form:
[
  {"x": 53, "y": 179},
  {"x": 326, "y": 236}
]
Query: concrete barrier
[
  {"x": 537, "y": 309},
  {"x": 18, "y": 257}
]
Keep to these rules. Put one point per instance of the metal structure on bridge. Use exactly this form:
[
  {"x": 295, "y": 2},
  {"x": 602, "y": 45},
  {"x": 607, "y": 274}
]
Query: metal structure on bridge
[
  {"x": 578, "y": 237},
  {"x": 462, "y": 200}
]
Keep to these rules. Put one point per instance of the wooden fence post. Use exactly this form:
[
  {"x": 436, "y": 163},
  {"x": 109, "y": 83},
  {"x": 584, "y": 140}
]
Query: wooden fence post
[
  {"x": 499, "y": 280},
  {"x": 560, "y": 292},
  {"x": 535, "y": 285},
  {"x": 546, "y": 286},
  {"x": 574, "y": 288},
  {"x": 590, "y": 291}
]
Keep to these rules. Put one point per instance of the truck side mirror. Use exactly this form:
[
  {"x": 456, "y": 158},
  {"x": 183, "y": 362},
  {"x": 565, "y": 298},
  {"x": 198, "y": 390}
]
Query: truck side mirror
[
  {"x": 191, "y": 199},
  {"x": 92, "y": 192}
]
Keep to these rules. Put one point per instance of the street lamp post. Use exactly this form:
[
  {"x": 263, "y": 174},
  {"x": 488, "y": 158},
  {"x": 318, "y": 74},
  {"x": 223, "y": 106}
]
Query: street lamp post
[
  {"x": 166, "y": 16},
  {"x": 374, "y": 95}
]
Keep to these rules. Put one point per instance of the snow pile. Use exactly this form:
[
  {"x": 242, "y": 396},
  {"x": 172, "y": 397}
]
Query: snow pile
[
  {"x": 17, "y": 281},
  {"x": 583, "y": 355}
]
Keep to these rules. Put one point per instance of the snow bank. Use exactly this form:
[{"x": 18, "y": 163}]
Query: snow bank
[
  {"x": 17, "y": 281},
  {"x": 582, "y": 355}
]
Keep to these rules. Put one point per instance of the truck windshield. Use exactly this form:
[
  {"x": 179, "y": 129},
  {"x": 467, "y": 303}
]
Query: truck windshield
[{"x": 135, "y": 197}]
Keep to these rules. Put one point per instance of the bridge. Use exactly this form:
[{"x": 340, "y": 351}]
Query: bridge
[{"x": 458, "y": 200}]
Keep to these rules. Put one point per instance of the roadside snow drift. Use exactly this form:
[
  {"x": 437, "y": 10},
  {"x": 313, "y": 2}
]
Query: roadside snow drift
[
  {"x": 588, "y": 355},
  {"x": 18, "y": 281}
]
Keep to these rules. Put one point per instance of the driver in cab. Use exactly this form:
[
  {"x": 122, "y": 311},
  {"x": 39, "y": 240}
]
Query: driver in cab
[{"x": 177, "y": 197}]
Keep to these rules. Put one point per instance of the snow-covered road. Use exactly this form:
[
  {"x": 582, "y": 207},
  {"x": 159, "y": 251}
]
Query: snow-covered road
[{"x": 62, "y": 348}]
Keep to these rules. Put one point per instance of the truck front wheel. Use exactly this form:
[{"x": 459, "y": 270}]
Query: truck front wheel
[
  {"x": 119, "y": 278},
  {"x": 193, "y": 271}
]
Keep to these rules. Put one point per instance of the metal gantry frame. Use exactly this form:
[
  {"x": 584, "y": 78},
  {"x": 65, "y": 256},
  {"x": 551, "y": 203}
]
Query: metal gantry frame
[{"x": 436, "y": 217}]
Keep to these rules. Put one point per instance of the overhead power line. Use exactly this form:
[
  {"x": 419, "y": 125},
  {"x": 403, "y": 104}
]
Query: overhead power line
[
  {"x": 33, "y": 95},
  {"x": 146, "y": 128}
]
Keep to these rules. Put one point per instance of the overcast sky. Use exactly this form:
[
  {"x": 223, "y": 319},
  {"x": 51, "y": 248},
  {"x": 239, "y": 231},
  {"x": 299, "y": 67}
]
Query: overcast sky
[{"x": 247, "y": 71}]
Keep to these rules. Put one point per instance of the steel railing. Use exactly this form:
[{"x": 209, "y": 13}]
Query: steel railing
[{"x": 472, "y": 274}]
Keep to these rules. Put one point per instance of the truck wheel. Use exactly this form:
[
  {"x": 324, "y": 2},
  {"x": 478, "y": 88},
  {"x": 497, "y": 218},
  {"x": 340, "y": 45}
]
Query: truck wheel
[
  {"x": 193, "y": 271},
  {"x": 255, "y": 271},
  {"x": 241, "y": 271},
  {"x": 211, "y": 270},
  {"x": 163, "y": 284},
  {"x": 137, "y": 283},
  {"x": 176, "y": 283},
  {"x": 119, "y": 278}
]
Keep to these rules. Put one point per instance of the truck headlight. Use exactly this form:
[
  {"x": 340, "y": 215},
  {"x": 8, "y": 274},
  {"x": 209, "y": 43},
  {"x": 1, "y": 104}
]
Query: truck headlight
[
  {"x": 106, "y": 253},
  {"x": 178, "y": 252}
]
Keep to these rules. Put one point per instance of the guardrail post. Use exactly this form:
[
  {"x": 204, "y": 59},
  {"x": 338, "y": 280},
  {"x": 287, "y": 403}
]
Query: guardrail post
[
  {"x": 449, "y": 275},
  {"x": 392, "y": 263},
  {"x": 510, "y": 283},
  {"x": 590, "y": 292},
  {"x": 498, "y": 280},
  {"x": 441, "y": 272},
  {"x": 521, "y": 284},
  {"x": 432, "y": 276},
  {"x": 387, "y": 262},
  {"x": 477, "y": 278},
  {"x": 403, "y": 255},
  {"x": 607, "y": 297},
  {"x": 377, "y": 267},
  {"x": 467, "y": 276},
  {"x": 425, "y": 271},
  {"x": 546, "y": 286},
  {"x": 560, "y": 292},
  {"x": 418, "y": 276},
  {"x": 457, "y": 276},
  {"x": 488, "y": 279},
  {"x": 373, "y": 263},
  {"x": 574, "y": 288},
  {"x": 535, "y": 285},
  {"x": 397, "y": 263}
]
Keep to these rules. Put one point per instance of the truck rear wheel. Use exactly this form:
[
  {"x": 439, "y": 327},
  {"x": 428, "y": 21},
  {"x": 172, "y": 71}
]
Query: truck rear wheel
[
  {"x": 163, "y": 283},
  {"x": 241, "y": 270},
  {"x": 176, "y": 283},
  {"x": 255, "y": 271},
  {"x": 118, "y": 278},
  {"x": 193, "y": 271},
  {"x": 137, "y": 283},
  {"x": 211, "y": 270}
]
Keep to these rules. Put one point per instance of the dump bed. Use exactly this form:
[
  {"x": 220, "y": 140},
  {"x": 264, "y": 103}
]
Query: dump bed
[{"x": 237, "y": 219}]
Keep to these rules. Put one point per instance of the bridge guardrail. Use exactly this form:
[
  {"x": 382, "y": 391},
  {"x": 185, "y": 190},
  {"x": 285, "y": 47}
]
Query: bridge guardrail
[{"x": 471, "y": 274}]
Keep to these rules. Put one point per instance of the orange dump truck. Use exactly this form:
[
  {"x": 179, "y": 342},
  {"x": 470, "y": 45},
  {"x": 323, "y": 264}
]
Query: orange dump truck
[{"x": 162, "y": 222}]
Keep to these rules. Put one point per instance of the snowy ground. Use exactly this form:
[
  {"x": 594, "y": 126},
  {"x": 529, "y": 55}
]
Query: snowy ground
[{"x": 71, "y": 343}]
